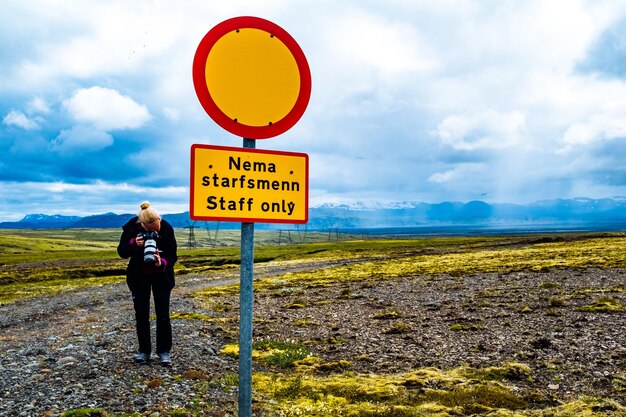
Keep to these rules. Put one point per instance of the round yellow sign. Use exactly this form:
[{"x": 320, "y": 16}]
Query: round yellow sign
[{"x": 251, "y": 77}]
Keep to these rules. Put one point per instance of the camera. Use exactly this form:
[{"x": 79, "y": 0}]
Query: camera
[{"x": 149, "y": 246}]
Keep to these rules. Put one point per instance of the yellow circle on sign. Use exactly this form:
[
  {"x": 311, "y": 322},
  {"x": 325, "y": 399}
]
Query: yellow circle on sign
[{"x": 252, "y": 77}]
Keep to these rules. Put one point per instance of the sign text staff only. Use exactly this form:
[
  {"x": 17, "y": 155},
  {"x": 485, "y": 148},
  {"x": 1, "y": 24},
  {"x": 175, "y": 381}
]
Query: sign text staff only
[{"x": 248, "y": 185}]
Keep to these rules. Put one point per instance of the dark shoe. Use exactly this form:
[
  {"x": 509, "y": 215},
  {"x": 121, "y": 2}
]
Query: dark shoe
[
  {"x": 165, "y": 359},
  {"x": 142, "y": 358}
]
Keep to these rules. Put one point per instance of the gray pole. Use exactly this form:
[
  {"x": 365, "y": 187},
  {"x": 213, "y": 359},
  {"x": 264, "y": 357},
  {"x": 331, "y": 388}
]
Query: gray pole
[{"x": 246, "y": 300}]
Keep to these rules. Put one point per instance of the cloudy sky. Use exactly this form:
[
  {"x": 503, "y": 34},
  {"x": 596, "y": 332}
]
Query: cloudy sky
[{"x": 449, "y": 100}]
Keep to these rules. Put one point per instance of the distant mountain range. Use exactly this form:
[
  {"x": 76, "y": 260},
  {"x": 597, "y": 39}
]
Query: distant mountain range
[{"x": 581, "y": 213}]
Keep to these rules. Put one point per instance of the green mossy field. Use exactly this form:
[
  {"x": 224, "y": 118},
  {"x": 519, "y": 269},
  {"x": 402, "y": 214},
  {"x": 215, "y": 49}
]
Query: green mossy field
[{"x": 45, "y": 261}]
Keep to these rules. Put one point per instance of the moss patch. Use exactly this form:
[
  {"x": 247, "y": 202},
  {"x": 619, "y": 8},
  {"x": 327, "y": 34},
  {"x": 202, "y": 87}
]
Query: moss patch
[
  {"x": 474, "y": 257},
  {"x": 271, "y": 352},
  {"x": 511, "y": 371},
  {"x": 399, "y": 328},
  {"x": 388, "y": 314},
  {"x": 426, "y": 392},
  {"x": 185, "y": 315},
  {"x": 461, "y": 327},
  {"x": 604, "y": 305},
  {"x": 413, "y": 394},
  {"x": 86, "y": 412}
]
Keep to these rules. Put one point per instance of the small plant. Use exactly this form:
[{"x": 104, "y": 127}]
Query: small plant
[
  {"x": 86, "y": 412},
  {"x": 225, "y": 381},
  {"x": 272, "y": 352},
  {"x": 477, "y": 399},
  {"x": 460, "y": 327},
  {"x": 153, "y": 383},
  {"x": 305, "y": 322},
  {"x": 388, "y": 314},
  {"x": 603, "y": 305},
  {"x": 195, "y": 374},
  {"x": 619, "y": 383},
  {"x": 556, "y": 302},
  {"x": 549, "y": 285},
  {"x": 334, "y": 340},
  {"x": 339, "y": 365},
  {"x": 222, "y": 307},
  {"x": 489, "y": 293},
  {"x": 297, "y": 303},
  {"x": 282, "y": 354},
  {"x": 511, "y": 371},
  {"x": 290, "y": 390},
  {"x": 398, "y": 328},
  {"x": 484, "y": 304},
  {"x": 346, "y": 294},
  {"x": 189, "y": 316}
]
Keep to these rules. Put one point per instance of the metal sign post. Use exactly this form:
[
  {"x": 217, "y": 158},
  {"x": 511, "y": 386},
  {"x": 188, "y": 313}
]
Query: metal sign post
[{"x": 246, "y": 300}]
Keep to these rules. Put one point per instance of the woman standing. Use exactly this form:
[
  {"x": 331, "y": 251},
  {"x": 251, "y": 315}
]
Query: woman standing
[{"x": 150, "y": 244}]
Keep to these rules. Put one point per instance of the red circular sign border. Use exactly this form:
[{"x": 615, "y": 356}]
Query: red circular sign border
[{"x": 202, "y": 91}]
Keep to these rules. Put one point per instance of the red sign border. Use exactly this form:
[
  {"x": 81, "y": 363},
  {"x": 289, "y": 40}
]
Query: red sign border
[
  {"x": 246, "y": 219},
  {"x": 202, "y": 91}
]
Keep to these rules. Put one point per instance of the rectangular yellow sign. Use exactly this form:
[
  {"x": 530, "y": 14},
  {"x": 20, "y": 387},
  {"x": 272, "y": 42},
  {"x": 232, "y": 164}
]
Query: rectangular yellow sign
[{"x": 248, "y": 185}]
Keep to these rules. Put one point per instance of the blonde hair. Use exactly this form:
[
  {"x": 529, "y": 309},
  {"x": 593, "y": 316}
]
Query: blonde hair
[{"x": 147, "y": 214}]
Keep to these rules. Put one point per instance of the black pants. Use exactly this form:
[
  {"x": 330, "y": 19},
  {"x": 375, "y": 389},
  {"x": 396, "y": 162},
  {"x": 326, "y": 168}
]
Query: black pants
[{"x": 157, "y": 284}]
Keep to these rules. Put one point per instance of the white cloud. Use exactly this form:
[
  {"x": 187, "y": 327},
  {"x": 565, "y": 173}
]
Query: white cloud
[
  {"x": 171, "y": 114},
  {"x": 390, "y": 47},
  {"x": 105, "y": 187},
  {"x": 442, "y": 177},
  {"x": 18, "y": 119},
  {"x": 598, "y": 128},
  {"x": 461, "y": 172},
  {"x": 484, "y": 130},
  {"x": 81, "y": 139},
  {"x": 115, "y": 37},
  {"x": 37, "y": 105},
  {"x": 106, "y": 109}
]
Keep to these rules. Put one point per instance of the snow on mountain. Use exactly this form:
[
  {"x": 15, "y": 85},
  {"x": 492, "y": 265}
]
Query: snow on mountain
[
  {"x": 370, "y": 205},
  {"x": 45, "y": 218}
]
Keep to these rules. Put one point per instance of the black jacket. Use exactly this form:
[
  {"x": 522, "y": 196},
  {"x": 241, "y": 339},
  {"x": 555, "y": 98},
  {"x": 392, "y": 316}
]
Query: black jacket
[{"x": 166, "y": 243}]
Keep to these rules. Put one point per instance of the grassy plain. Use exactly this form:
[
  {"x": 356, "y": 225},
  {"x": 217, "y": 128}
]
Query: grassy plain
[
  {"x": 295, "y": 382},
  {"x": 455, "y": 256},
  {"x": 46, "y": 261}
]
